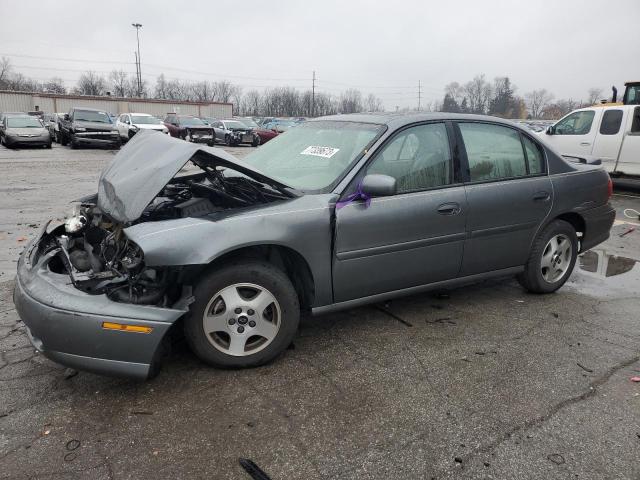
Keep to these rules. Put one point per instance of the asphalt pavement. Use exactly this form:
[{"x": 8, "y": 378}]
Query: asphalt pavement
[{"x": 483, "y": 381}]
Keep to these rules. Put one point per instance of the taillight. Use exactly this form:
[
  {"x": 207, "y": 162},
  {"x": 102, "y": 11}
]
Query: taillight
[{"x": 609, "y": 189}]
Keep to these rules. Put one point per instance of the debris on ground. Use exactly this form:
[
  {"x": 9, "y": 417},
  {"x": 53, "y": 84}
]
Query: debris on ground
[
  {"x": 635, "y": 379},
  {"x": 584, "y": 368},
  {"x": 556, "y": 458},
  {"x": 627, "y": 232},
  {"x": 253, "y": 470}
]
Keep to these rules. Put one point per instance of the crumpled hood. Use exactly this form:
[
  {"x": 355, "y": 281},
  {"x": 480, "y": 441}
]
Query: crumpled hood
[
  {"x": 98, "y": 126},
  {"x": 145, "y": 165}
]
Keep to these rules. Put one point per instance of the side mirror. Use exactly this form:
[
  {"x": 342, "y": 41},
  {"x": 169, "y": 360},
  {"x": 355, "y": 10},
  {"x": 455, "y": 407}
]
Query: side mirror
[
  {"x": 66, "y": 116},
  {"x": 551, "y": 130},
  {"x": 376, "y": 185}
]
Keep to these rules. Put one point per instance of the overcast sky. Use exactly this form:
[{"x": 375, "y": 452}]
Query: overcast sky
[{"x": 383, "y": 47}]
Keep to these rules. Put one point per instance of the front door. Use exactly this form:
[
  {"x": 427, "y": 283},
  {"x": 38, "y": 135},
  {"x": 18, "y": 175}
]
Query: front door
[
  {"x": 575, "y": 133},
  {"x": 412, "y": 238},
  {"x": 508, "y": 192}
]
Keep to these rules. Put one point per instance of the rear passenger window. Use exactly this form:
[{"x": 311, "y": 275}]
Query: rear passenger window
[
  {"x": 535, "y": 158},
  {"x": 493, "y": 151},
  {"x": 611, "y": 121}
]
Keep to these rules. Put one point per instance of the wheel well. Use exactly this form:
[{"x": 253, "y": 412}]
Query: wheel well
[
  {"x": 576, "y": 221},
  {"x": 284, "y": 258}
]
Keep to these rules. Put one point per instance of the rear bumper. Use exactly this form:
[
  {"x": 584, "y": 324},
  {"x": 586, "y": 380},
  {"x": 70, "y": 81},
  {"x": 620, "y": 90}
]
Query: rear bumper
[
  {"x": 598, "y": 223},
  {"x": 65, "y": 324}
]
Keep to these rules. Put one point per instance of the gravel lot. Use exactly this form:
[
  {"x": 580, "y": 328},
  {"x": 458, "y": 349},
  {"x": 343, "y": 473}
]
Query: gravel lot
[{"x": 484, "y": 381}]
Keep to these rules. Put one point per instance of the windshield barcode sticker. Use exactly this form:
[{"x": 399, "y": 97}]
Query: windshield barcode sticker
[{"x": 324, "y": 152}]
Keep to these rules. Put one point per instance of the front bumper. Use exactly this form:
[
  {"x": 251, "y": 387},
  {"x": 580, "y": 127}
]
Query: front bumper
[
  {"x": 65, "y": 324},
  {"x": 40, "y": 140},
  {"x": 85, "y": 139}
]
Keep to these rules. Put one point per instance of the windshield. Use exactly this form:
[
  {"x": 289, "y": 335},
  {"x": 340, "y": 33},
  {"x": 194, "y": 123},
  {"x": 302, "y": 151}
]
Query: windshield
[
  {"x": 314, "y": 155},
  {"x": 23, "y": 122},
  {"x": 232, "y": 124},
  {"x": 91, "y": 116},
  {"x": 191, "y": 121},
  {"x": 249, "y": 123},
  {"x": 144, "y": 120}
]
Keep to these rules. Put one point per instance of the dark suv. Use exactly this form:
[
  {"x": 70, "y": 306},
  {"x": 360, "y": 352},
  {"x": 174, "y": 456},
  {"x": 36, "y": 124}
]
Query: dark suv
[
  {"x": 190, "y": 128},
  {"x": 88, "y": 126}
]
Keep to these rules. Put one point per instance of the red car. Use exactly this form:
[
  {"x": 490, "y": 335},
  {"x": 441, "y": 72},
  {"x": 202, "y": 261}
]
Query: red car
[
  {"x": 264, "y": 134},
  {"x": 189, "y": 128}
]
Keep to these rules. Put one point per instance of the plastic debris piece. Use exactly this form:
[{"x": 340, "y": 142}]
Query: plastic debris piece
[
  {"x": 635, "y": 379},
  {"x": 253, "y": 470}
]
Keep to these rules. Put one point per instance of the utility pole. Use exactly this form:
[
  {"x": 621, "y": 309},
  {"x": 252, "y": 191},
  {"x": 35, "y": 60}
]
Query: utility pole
[
  {"x": 419, "y": 95},
  {"x": 135, "y": 54},
  {"x": 313, "y": 95},
  {"x": 138, "y": 26}
]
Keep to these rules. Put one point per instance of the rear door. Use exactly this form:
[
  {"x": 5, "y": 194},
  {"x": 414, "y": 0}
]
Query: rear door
[
  {"x": 609, "y": 137},
  {"x": 629, "y": 157},
  {"x": 509, "y": 195},
  {"x": 412, "y": 238},
  {"x": 575, "y": 133}
]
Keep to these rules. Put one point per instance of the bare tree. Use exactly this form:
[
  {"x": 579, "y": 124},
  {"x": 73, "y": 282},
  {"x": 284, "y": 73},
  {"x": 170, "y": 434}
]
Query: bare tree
[
  {"x": 351, "y": 101},
  {"x": 478, "y": 93},
  {"x": 595, "y": 94},
  {"x": 90, "y": 83},
  {"x": 373, "y": 104},
  {"x": 455, "y": 91},
  {"x": 223, "y": 91},
  {"x": 5, "y": 71},
  {"x": 55, "y": 85},
  {"x": 119, "y": 82},
  {"x": 537, "y": 101},
  {"x": 250, "y": 104},
  {"x": 161, "y": 87}
]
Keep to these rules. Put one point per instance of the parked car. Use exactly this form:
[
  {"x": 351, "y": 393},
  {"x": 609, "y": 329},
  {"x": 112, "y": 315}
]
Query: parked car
[
  {"x": 219, "y": 131},
  {"x": 51, "y": 122},
  {"x": 5, "y": 114},
  {"x": 128, "y": 124},
  {"x": 609, "y": 134},
  {"x": 189, "y": 128},
  {"x": 264, "y": 134},
  {"x": 339, "y": 212},
  {"x": 280, "y": 125},
  {"x": 23, "y": 130},
  {"x": 88, "y": 126},
  {"x": 240, "y": 133}
]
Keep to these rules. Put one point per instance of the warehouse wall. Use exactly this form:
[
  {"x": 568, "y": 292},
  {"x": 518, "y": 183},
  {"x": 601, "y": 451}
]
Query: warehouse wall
[{"x": 23, "y": 102}]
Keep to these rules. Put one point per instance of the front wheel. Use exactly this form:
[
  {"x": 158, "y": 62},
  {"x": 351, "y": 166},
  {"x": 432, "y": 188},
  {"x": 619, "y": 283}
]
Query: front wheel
[
  {"x": 63, "y": 139},
  {"x": 244, "y": 315},
  {"x": 256, "y": 141},
  {"x": 552, "y": 258}
]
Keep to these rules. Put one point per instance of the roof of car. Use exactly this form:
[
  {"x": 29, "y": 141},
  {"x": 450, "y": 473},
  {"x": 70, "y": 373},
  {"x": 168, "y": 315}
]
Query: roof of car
[
  {"x": 140, "y": 114},
  {"x": 399, "y": 119},
  {"x": 88, "y": 109}
]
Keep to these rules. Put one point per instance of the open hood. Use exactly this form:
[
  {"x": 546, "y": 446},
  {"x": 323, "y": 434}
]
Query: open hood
[{"x": 145, "y": 165}]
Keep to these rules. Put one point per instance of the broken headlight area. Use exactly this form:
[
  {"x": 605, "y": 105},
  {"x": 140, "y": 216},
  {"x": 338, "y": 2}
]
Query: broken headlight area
[{"x": 100, "y": 259}]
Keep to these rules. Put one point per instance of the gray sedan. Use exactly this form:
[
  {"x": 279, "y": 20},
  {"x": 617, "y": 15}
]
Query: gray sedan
[
  {"x": 24, "y": 130},
  {"x": 339, "y": 212}
]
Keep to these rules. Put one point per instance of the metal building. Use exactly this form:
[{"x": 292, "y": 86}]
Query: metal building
[{"x": 49, "y": 103}]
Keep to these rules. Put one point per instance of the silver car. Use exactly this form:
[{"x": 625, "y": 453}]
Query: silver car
[
  {"x": 23, "y": 130},
  {"x": 338, "y": 212}
]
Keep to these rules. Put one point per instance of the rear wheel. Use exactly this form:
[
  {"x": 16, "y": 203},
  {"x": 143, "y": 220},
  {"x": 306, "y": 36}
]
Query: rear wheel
[
  {"x": 63, "y": 139},
  {"x": 244, "y": 315},
  {"x": 552, "y": 258}
]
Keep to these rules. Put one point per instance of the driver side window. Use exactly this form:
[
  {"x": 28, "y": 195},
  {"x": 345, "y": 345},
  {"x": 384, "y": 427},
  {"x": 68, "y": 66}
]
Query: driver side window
[
  {"x": 418, "y": 158},
  {"x": 578, "y": 123}
]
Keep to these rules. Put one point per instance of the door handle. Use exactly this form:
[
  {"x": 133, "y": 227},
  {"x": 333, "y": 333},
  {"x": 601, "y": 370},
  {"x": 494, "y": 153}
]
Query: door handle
[
  {"x": 452, "y": 208},
  {"x": 585, "y": 144},
  {"x": 541, "y": 196}
]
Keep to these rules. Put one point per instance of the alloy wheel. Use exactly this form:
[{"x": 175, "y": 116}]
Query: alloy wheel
[
  {"x": 242, "y": 319},
  {"x": 556, "y": 258}
]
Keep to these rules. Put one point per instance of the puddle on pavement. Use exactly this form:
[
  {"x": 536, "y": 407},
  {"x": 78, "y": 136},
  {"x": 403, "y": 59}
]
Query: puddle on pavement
[{"x": 602, "y": 274}]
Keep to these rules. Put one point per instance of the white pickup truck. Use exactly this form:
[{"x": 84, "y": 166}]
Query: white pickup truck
[{"x": 609, "y": 132}]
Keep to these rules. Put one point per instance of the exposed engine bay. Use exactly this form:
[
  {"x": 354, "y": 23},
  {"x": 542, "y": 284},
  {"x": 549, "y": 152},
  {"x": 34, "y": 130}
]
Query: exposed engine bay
[{"x": 99, "y": 258}]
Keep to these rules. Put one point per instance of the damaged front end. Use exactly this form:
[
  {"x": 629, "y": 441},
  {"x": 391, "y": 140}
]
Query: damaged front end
[{"x": 99, "y": 259}]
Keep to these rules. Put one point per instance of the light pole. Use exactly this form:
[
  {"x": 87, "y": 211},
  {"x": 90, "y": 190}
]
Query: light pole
[{"x": 138, "y": 26}]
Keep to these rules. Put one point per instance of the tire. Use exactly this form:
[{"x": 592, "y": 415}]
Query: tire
[
  {"x": 235, "y": 281},
  {"x": 63, "y": 139},
  {"x": 256, "y": 142},
  {"x": 72, "y": 142},
  {"x": 552, "y": 258},
  {"x": 55, "y": 137},
  {"x": 227, "y": 141},
  {"x": 48, "y": 145}
]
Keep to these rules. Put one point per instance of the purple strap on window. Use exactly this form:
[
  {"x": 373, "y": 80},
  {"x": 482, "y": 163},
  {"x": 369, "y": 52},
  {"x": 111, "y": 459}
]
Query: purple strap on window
[{"x": 357, "y": 195}]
